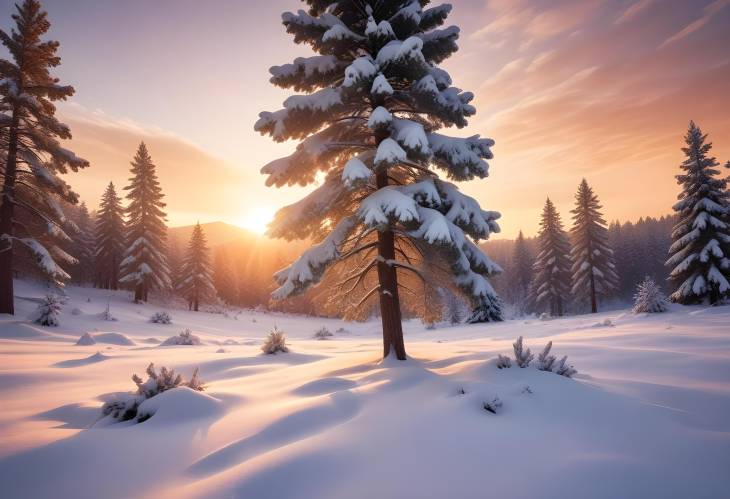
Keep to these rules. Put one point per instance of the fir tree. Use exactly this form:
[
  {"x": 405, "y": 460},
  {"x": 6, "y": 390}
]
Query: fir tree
[
  {"x": 196, "y": 283},
  {"x": 522, "y": 263},
  {"x": 224, "y": 277},
  {"x": 144, "y": 266},
  {"x": 550, "y": 290},
  {"x": 30, "y": 151},
  {"x": 375, "y": 100},
  {"x": 110, "y": 240},
  {"x": 175, "y": 258},
  {"x": 700, "y": 252},
  {"x": 649, "y": 297},
  {"x": 83, "y": 246},
  {"x": 593, "y": 270}
]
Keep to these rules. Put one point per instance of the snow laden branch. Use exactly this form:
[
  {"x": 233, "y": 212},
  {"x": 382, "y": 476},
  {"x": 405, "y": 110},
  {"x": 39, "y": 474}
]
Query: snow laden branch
[{"x": 368, "y": 124}]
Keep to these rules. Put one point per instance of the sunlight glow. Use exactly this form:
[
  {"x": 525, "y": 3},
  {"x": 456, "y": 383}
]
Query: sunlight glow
[{"x": 256, "y": 219}]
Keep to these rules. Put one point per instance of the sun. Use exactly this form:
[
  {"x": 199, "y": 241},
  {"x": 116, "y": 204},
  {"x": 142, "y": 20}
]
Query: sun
[{"x": 257, "y": 218}]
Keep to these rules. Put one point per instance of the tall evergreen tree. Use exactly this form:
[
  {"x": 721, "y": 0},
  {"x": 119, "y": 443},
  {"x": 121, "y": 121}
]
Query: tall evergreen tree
[
  {"x": 522, "y": 262},
  {"x": 83, "y": 246},
  {"x": 175, "y": 259},
  {"x": 594, "y": 272},
  {"x": 109, "y": 239},
  {"x": 145, "y": 264},
  {"x": 700, "y": 251},
  {"x": 550, "y": 290},
  {"x": 196, "y": 283},
  {"x": 224, "y": 277},
  {"x": 30, "y": 151},
  {"x": 375, "y": 101}
]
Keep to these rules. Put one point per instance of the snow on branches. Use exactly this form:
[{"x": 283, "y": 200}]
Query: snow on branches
[
  {"x": 369, "y": 123},
  {"x": 699, "y": 260}
]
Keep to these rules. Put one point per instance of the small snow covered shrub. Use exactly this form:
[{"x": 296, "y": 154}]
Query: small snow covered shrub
[
  {"x": 503, "y": 362},
  {"x": 523, "y": 356},
  {"x": 545, "y": 360},
  {"x": 275, "y": 342},
  {"x": 649, "y": 298},
  {"x": 185, "y": 337},
  {"x": 564, "y": 370},
  {"x": 76, "y": 311},
  {"x": 124, "y": 406},
  {"x": 493, "y": 405},
  {"x": 161, "y": 318},
  {"x": 545, "y": 316},
  {"x": 106, "y": 315},
  {"x": 47, "y": 312},
  {"x": 323, "y": 333}
]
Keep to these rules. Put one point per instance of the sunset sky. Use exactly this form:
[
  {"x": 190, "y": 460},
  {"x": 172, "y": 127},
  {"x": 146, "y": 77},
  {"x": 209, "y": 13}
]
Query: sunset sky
[{"x": 601, "y": 89}]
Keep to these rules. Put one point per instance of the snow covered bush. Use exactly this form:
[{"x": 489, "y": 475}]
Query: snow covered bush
[
  {"x": 523, "y": 356},
  {"x": 275, "y": 342},
  {"x": 47, "y": 312},
  {"x": 161, "y": 318},
  {"x": 564, "y": 370},
  {"x": 492, "y": 405},
  {"x": 77, "y": 311},
  {"x": 545, "y": 360},
  {"x": 503, "y": 362},
  {"x": 323, "y": 333},
  {"x": 185, "y": 337},
  {"x": 124, "y": 406},
  {"x": 106, "y": 315},
  {"x": 649, "y": 298}
]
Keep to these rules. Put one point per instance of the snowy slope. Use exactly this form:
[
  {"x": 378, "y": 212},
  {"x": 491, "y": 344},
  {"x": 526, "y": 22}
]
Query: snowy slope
[{"x": 645, "y": 417}]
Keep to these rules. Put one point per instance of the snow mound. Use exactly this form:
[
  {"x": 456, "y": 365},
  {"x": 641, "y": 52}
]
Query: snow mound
[
  {"x": 91, "y": 359},
  {"x": 18, "y": 330},
  {"x": 179, "y": 405},
  {"x": 113, "y": 339},
  {"x": 86, "y": 339}
]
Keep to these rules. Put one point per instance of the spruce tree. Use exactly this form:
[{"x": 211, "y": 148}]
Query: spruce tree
[
  {"x": 224, "y": 277},
  {"x": 550, "y": 289},
  {"x": 175, "y": 259},
  {"x": 109, "y": 239},
  {"x": 593, "y": 269},
  {"x": 196, "y": 283},
  {"x": 145, "y": 264},
  {"x": 700, "y": 252},
  {"x": 31, "y": 154},
  {"x": 375, "y": 98},
  {"x": 522, "y": 262},
  {"x": 83, "y": 246}
]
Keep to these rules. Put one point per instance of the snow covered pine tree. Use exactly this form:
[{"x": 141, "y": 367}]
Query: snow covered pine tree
[
  {"x": 83, "y": 246},
  {"x": 700, "y": 252},
  {"x": 593, "y": 268},
  {"x": 30, "y": 151},
  {"x": 145, "y": 265},
  {"x": 649, "y": 298},
  {"x": 550, "y": 290},
  {"x": 109, "y": 239},
  {"x": 376, "y": 98},
  {"x": 196, "y": 283},
  {"x": 521, "y": 272}
]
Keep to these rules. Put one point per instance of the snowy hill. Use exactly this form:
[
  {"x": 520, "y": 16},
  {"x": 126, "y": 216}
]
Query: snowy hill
[{"x": 646, "y": 416}]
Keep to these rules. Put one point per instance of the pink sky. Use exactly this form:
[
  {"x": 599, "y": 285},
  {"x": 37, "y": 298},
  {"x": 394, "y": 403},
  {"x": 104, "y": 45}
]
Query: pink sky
[{"x": 567, "y": 88}]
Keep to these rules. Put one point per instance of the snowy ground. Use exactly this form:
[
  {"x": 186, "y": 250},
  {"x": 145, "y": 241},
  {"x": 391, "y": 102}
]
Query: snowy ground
[{"x": 646, "y": 417}]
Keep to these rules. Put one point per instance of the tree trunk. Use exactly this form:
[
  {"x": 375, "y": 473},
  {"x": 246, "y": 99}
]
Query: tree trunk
[
  {"x": 6, "y": 221},
  {"x": 388, "y": 281},
  {"x": 594, "y": 305},
  {"x": 138, "y": 293}
]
